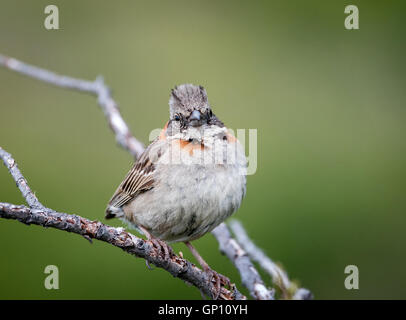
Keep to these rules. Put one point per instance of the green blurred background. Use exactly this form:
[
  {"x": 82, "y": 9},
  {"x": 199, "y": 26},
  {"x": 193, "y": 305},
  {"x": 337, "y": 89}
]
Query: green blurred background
[{"x": 328, "y": 104}]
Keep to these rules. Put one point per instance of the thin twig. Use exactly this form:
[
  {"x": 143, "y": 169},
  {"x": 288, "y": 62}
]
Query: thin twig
[
  {"x": 279, "y": 276},
  {"x": 110, "y": 108},
  {"x": 249, "y": 275},
  {"x": 21, "y": 182}
]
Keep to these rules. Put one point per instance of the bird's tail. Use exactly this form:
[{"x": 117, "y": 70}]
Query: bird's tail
[{"x": 113, "y": 212}]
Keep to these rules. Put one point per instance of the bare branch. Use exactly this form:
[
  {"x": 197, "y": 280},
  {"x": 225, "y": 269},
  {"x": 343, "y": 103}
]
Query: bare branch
[
  {"x": 249, "y": 275},
  {"x": 46, "y": 217},
  {"x": 117, "y": 237},
  {"x": 110, "y": 108},
  {"x": 279, "y": 276},
  {"x": 22, "y": 184}
]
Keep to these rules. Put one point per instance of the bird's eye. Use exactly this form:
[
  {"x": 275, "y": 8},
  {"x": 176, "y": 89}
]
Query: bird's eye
[{"x": 177, "y": 117}]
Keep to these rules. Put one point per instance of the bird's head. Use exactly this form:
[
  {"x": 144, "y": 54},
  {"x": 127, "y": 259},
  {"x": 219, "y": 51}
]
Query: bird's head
[{"x": 189, "y": 107}]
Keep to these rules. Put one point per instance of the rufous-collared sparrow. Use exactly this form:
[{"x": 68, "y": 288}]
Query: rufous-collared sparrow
[{"x": 187, "y": 181}]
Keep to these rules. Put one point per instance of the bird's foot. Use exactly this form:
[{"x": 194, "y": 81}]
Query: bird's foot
[
  {"x": 163, "y": 248},
  {"x": 219, "y": 280}
]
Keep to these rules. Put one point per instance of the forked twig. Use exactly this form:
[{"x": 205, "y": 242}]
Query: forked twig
[{"x": 40, "y": 215}]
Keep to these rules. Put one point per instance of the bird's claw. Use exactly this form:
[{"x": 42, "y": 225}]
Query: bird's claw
[
  {"x": 219, "y": 281},
  {"x": 163, "y": 248}
]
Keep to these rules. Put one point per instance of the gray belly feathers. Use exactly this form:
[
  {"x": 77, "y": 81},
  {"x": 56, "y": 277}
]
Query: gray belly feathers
[{"x": 189, "y": 200}]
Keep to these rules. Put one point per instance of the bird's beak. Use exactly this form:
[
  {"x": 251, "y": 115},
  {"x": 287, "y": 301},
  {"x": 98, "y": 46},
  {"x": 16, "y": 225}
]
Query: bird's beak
[{"x": 194, "y": 118}]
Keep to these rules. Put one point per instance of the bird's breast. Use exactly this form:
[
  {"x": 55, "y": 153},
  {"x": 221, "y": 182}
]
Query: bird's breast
[{"x": 196, "y": 188}]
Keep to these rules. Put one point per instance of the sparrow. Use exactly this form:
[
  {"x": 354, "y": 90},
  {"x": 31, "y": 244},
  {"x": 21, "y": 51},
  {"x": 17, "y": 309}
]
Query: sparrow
[{"x": 188, "y": 180}]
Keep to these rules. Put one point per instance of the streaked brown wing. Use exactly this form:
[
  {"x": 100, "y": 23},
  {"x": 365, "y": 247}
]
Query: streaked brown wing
[{"x": 140, "y": 178}]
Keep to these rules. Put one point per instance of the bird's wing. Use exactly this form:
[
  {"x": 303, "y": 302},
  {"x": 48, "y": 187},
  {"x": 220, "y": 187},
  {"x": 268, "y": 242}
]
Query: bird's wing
[{"x": 139, "y": 179}]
